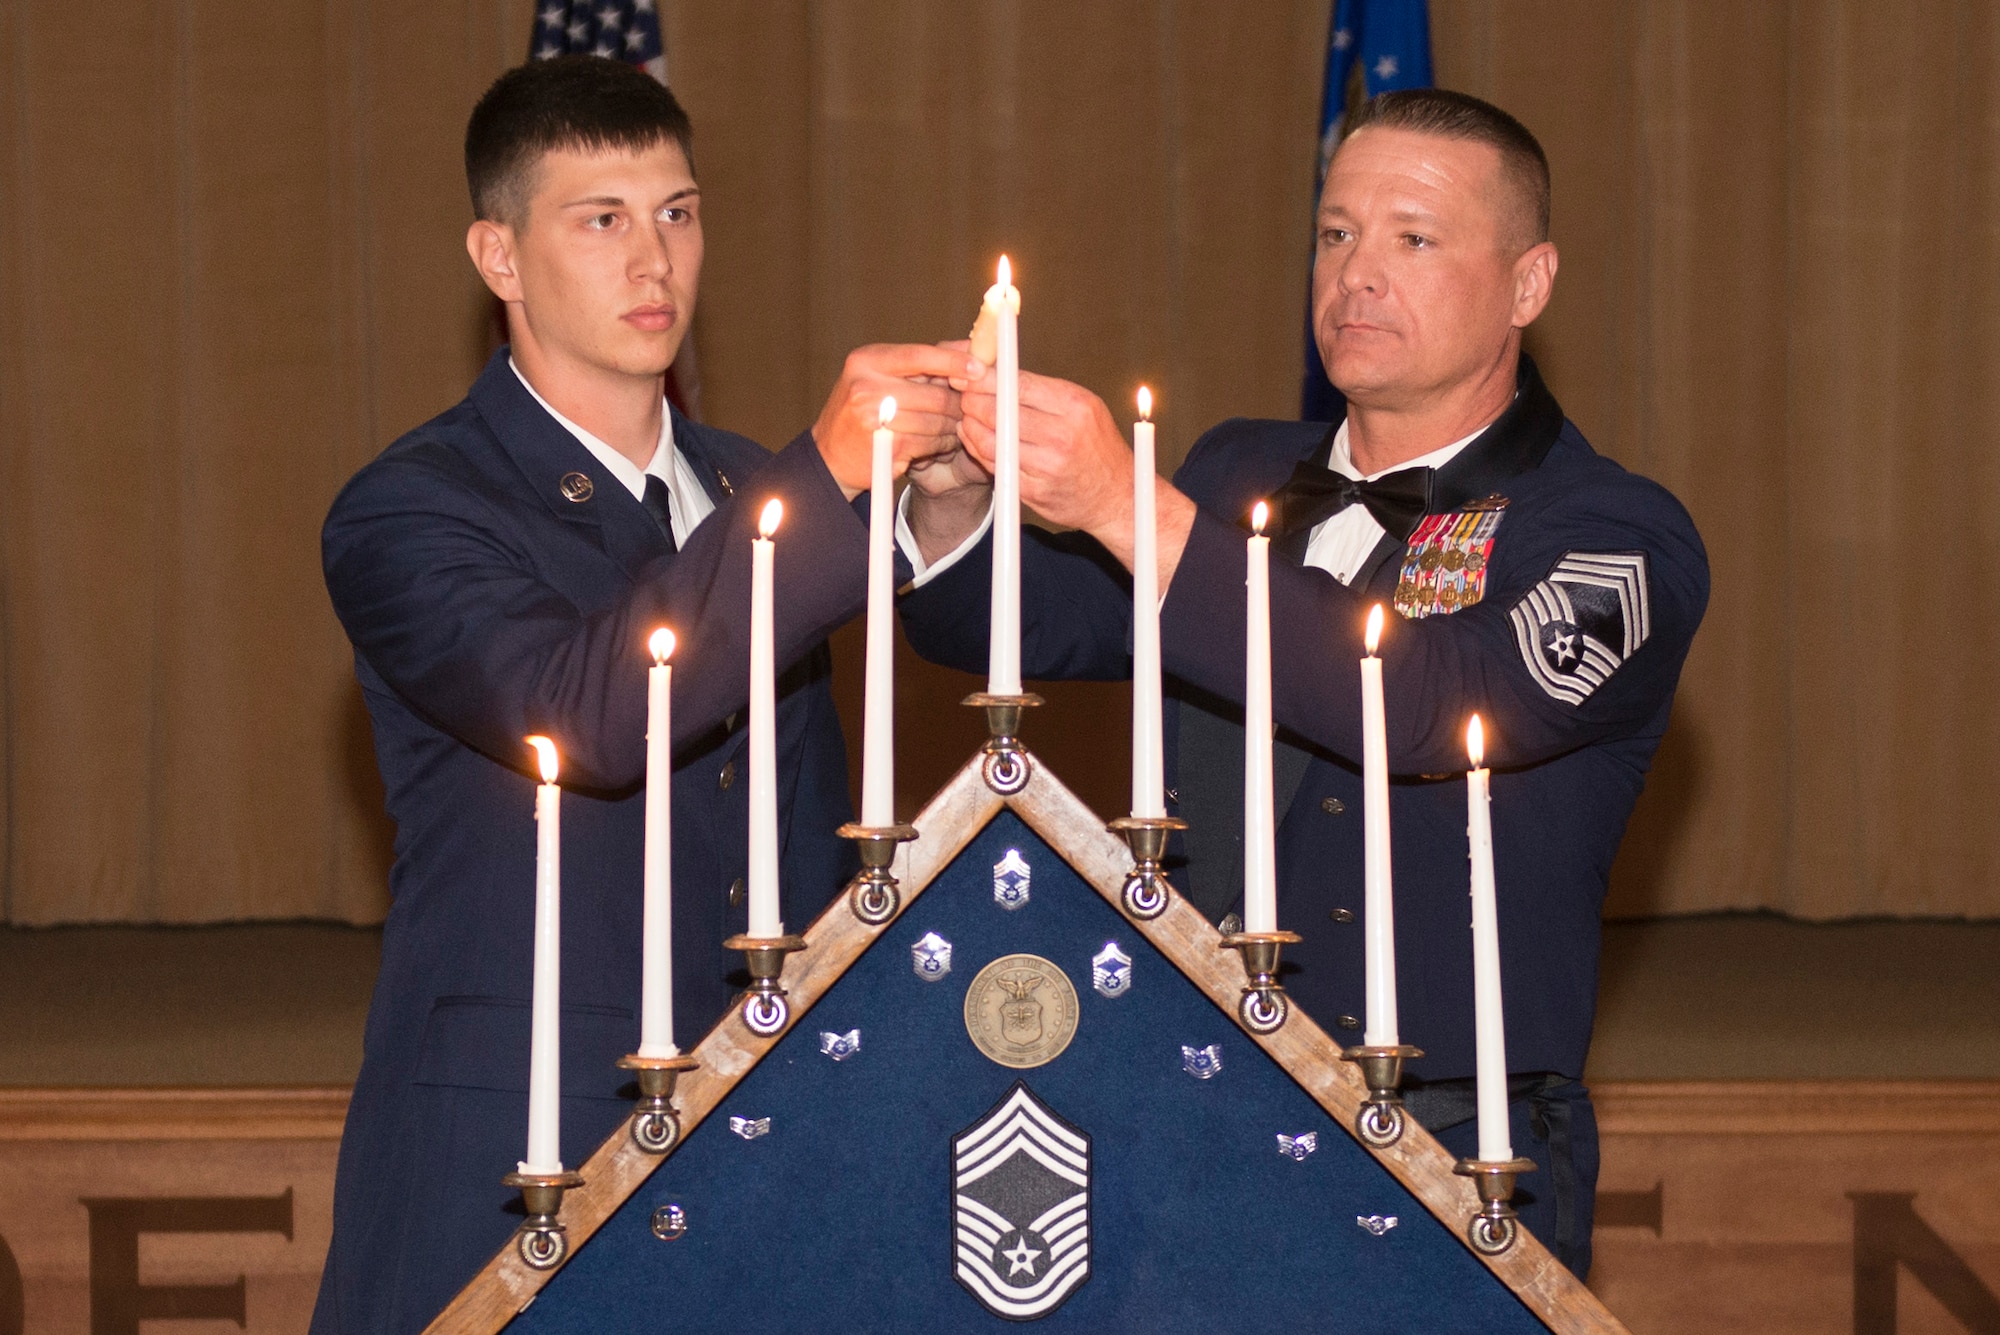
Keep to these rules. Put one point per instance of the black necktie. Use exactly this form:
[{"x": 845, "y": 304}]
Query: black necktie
[
  {"x": 659, "y": 505},
  {"x": 1397, "y": 500}
]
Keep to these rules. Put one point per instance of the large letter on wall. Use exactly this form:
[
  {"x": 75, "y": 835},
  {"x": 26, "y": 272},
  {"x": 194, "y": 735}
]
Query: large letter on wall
[
  {"x": 119, "y": 1302},
  {"x": 1888, "y": 1232}
]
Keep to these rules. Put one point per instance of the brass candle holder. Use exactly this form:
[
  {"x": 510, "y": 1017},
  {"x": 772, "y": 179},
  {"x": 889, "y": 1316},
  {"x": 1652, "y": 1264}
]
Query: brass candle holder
[
  {"x": 1263, "y": 1008},
  {"x": 1382, "y": 1117},
  {"x": 873, "y": 894},
  {"x": 764, "y": 1007},
  {"x": 1145, "y": 893},
  {"x": 1493, "y": 1230},
  {"x": 541, "y": 1240},
  {"x": 1006, "y": 766},
  {"x": 655, "y": 1124}
]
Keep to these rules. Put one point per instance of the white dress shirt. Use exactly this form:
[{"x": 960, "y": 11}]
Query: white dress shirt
[
  {"x": 688, "y": 503},
  {"x": 1340, "y": 544}
]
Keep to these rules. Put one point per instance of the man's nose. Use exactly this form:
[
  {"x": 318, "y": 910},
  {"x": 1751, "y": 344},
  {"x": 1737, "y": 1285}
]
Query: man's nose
[
  {"x": 1360, "y": 269},
  {"x": 652, "y": 257}
]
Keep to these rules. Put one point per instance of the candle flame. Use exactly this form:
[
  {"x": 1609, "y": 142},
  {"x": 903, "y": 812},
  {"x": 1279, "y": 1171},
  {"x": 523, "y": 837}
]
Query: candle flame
[
  {"x": 1374, "y": 629},
  {"x": 1258, "y": 516},
  {"x": 888, "y": 409},
  {"x": 767, "y": 523},
  {"x": 1475, "y": 742},
  {"x": 1145, "y": 403},
  {"x": 662, "y": 644},
  {"x": 1006, "y": 271},
  {"x": 545, "y": 751}
]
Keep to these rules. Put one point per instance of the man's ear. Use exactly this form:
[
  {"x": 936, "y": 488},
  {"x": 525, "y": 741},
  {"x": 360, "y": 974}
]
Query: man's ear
[
  {"x": 1534, "y": 282},
  {"x": 491, "y": 245}
]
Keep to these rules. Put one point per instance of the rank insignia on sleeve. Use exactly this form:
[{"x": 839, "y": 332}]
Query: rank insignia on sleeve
[
  {"x": 1444, "y": 565},
  {"x": 1021, "y": 1207},
  {"x": 1577, "y": 626}
]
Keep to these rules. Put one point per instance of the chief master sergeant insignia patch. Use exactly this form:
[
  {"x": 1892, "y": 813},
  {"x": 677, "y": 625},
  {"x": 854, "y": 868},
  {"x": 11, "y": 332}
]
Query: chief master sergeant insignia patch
[
  {"x": 1577, "y": 626},
  {"x": 1021, "y": 1200}
]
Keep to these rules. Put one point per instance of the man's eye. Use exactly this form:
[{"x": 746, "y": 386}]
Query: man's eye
[
  {"x": 1416, "y": 241},
  {"x": 602, "y": 222},
  {"x": 675, "y": 215},
  {"x": 1335, "y": 236}
]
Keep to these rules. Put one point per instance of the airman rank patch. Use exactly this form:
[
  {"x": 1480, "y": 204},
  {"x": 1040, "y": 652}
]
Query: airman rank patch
[
  {"x": 1577, "y": 626},
  {"x": 1021, "y": 1202},
  {"x": 1444, "y": 565}
]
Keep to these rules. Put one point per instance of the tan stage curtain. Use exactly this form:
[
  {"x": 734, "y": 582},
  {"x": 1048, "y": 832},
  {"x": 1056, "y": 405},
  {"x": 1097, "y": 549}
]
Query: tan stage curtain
[{"x": 230, "y": 270}]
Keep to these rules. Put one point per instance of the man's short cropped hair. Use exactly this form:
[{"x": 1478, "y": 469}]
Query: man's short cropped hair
[
  {"x": 568, "y": 102},
  {"x": 1439, "y": 111}
]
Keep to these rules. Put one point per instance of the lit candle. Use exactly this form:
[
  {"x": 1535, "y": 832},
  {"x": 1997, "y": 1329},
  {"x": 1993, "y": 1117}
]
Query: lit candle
[
  {"x": 1003, "y": 671},
  {"x": 1148, "y": 772},
  {"x": 1260, "y": 858},
  {"x": 1377, "y": 900},
  {"x": 1489, "y": 1029},
  {"x": 764, "y": 917},
  {"x": 545, "y": 1012},
  {"x": 878, "y": 755},
  {"x": 656, "y": 969}
]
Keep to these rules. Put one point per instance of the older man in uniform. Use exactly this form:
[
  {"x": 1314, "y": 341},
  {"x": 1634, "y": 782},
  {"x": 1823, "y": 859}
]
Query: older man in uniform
[{"x": 1534, "y": 582}]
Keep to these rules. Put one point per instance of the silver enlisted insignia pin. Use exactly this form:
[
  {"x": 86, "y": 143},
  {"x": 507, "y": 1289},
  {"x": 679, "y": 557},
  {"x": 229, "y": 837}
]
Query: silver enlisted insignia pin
[
  {"x": 750, "y": 1128},
  {"x": 1298, "y": 1147},
  {"x": 670, "y": 1223},
  {"x": 931, "y": 957},
  {"x": 1021, "y": 1207},
  {"x": 1111, "y": 971},
  {"x": 1378, "y": 1224},
  {"x": 1010, "y": 880},
  {"x": 1202, "y": 1063},
  {"x": 840, "y": 1046},
  {"x": 577, "y": 487}
]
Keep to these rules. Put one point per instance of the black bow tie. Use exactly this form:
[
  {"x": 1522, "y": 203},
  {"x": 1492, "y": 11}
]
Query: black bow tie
[{"x": 1397, "y": 500}]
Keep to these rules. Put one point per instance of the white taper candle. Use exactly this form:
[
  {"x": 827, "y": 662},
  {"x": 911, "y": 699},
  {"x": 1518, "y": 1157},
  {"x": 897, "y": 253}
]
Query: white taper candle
[
  {"x": 1003, "y": 673},
  {"x": 1489, "y": 1026},
  {"x": 656, "y": 968},
  {"x": 878, "y": 737},
  {"x": 1260, "y": 857},
  {"x": 765, "y": 918},
  {"x": 545, "y": 1010},
  {"x": 1377, "y": 896},
  {"x": 1148, "y": 769}
]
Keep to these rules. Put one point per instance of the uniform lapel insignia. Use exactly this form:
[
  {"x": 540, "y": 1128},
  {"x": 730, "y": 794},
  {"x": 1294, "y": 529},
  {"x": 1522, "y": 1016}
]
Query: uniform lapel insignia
[
  {"x": 1444, "y": 564},
  {"x": 1021, "y": 1202}
]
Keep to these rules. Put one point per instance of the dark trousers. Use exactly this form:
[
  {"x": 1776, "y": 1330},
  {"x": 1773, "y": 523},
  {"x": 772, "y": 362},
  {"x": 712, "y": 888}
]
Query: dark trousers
[{"x": 1551, "y": 1122}]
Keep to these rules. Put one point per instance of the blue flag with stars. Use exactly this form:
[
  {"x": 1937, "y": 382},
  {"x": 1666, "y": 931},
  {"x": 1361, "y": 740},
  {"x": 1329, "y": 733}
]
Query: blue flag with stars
[
  {"x": 627, "y": 30},
  {"x": 1391, "y": 41}
]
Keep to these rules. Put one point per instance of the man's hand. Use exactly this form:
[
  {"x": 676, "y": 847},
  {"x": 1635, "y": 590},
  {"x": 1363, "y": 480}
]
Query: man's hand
[
  {"x": 949, "y": 491},
  {"x": 1076, "y": 469},
  {"x": 917, "y": 376}
]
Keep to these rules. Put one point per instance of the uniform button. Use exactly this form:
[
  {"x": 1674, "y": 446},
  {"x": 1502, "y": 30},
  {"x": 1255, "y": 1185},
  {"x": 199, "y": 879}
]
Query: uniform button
[
  {"x": 1347, "y": 1022},
  {"x": 727, "y": 777},
  {"x": 1332, "y": 806},
  {"x": 736, "y": 893},
  {"x": 1343, "y": 915}
]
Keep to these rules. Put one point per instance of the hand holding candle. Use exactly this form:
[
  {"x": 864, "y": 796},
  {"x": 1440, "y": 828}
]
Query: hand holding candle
[
  {"x": 545, "y": 1010},
  {"x": 1260, "y": 857},
  {"x": 1378, "y": 900},
  {"x": 1489, "y": 1028},
  {"x": 1148, "y": 766},
  {"x": 765, "y": 920},
  {"x": 656, "y": 986}
]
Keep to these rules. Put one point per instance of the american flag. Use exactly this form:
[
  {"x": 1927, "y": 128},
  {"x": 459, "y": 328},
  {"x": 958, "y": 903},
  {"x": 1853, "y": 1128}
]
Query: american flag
[{"x": 627, "y": 30}]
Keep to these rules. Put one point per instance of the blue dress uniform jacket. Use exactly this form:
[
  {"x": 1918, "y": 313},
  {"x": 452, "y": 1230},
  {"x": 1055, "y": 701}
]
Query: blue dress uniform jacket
[
  {"x": 497, "y": 581},
  {"x": 1550, "y": 591}
]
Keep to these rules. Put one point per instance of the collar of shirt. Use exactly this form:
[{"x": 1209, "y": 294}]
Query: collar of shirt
[
  {"x": 1342, "y": 544},
  {"x": 688, "y": 499}
]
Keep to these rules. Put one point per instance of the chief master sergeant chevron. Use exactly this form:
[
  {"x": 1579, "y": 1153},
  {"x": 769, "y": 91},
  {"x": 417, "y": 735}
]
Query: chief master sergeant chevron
[{"x": 1536, "y": 583}]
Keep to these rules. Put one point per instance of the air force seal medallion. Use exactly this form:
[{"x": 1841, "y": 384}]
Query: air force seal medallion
[
  {"x": 1579, "y": 625},
  {"x": 1021, "y": 1206},
  {"x": 1021, "y": 1011}
]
